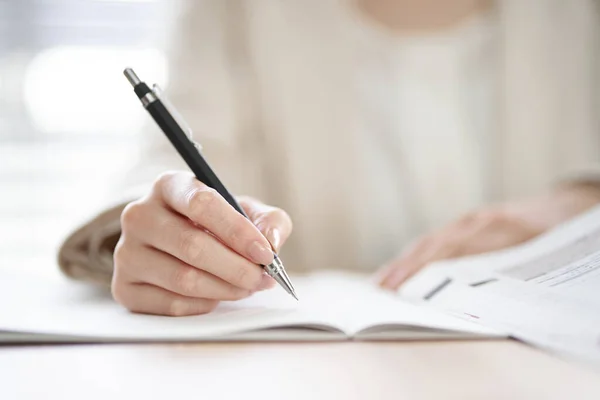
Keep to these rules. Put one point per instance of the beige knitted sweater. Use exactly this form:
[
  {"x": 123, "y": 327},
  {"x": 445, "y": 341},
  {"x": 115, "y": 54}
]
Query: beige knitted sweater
[{"x": 269, "y": 89}]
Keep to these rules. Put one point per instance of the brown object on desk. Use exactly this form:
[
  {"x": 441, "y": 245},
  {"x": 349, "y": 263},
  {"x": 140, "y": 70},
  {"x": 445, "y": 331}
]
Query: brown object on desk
[{"x": 418, "y": 370}]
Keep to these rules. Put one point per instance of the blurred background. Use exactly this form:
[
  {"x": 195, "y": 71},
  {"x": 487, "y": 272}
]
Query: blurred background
[
  {"x": 70, "y": 124},
  {"x": 59, "y": 62}
]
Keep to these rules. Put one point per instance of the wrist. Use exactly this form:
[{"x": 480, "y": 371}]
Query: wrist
[{"x": 561, "y": 204}]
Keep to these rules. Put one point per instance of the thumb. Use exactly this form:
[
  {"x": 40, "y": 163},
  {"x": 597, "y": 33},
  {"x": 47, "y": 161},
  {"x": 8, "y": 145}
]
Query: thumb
[{"x": 274, "y": 223}]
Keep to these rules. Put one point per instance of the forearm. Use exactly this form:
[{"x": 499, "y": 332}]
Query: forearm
[{"x": 561, "y": 203}]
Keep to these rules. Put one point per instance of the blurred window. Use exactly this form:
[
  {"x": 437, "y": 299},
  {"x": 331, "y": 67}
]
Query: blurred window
[
  {"x": 68, "y": 117},
  {"x": 54, "y": 53}
]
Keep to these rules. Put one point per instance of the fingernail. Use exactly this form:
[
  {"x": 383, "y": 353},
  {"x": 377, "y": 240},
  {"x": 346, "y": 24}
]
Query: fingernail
[
  {"x": 266, "y": 283},
  {"x": 260, "y": 254},
  {"x": 274, "y": 236}
]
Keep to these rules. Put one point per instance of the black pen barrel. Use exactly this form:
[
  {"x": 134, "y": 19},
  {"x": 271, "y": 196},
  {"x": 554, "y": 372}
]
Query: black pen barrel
[{"x": 189, "y": 152}]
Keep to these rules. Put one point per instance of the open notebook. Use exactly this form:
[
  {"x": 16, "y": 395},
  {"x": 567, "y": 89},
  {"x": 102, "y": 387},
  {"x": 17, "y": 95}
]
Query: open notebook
[{"x": 332, "y": 306}]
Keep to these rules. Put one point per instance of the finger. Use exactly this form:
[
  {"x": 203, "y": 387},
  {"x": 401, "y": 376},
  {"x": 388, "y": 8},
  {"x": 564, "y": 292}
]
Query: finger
[
  {"x": 456, "y": 240},
  {"x": 148, "y": 299},
  {"x": 430, "y": 249},
  {"x": 173, "y": 234},
  {"x": 274, "y": 223},
  {"x": 207, "y": 208},
  {"x": 399, "y": 269},
  {"x": 163, "y": 270},
  {"x": 384, "y": 272}
]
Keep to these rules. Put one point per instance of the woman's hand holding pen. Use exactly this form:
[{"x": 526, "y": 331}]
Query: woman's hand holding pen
[{"x": 183, "y": 248}]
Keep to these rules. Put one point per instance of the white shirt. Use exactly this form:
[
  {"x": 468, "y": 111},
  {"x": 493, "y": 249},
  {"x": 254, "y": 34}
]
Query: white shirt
[{"x": 427, "y": 102}]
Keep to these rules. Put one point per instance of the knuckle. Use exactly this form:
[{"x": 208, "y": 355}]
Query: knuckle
[
  {"x": 168, "y": 226},
  {"x": 131, "y": 215},
  {"x": 178, "y": 308},
  {"x": 119, "y": 254},
  {"x": 245, "y": 278},
  {"x": 278, "y": 217},
  {"x": 241, "y": 276},
  {"x": 184, "y": 280},
  {"x": 119, "y": 291},
  {"x": 123, "y": 255},
  {"x": 238, "y": 231},
  {"x": 164, "y": 178},
  {"x": 282, "y": 216},
  {"x": 202, "y": 201},
  {"x": 191, "y": 247}
]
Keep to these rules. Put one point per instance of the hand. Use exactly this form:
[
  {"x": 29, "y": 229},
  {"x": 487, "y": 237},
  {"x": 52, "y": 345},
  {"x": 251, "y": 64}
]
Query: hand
[
  {"x": 490, "y": 229},
  {"x": 183, "y": 248}
]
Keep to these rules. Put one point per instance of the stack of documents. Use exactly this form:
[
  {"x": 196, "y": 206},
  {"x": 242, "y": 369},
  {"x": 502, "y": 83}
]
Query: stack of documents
[{"x": 546, "y": 292}]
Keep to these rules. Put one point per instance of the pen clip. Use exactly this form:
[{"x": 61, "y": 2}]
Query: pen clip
[{"x": 176, "y": 115}]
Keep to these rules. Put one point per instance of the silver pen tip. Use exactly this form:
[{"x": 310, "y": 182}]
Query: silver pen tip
[
  {"x": 276, "y": 271},
  {"x": 131, "y": 77}
]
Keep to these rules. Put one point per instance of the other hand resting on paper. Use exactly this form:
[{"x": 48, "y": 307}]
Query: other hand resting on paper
[
  {"x": 489, "y": 229},
  {"x": 183, "y": 248}
]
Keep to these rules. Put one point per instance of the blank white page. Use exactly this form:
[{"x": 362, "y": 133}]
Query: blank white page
[
  {"x": 346, "y": 302},
  {"x": 73, "y": 309}
]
